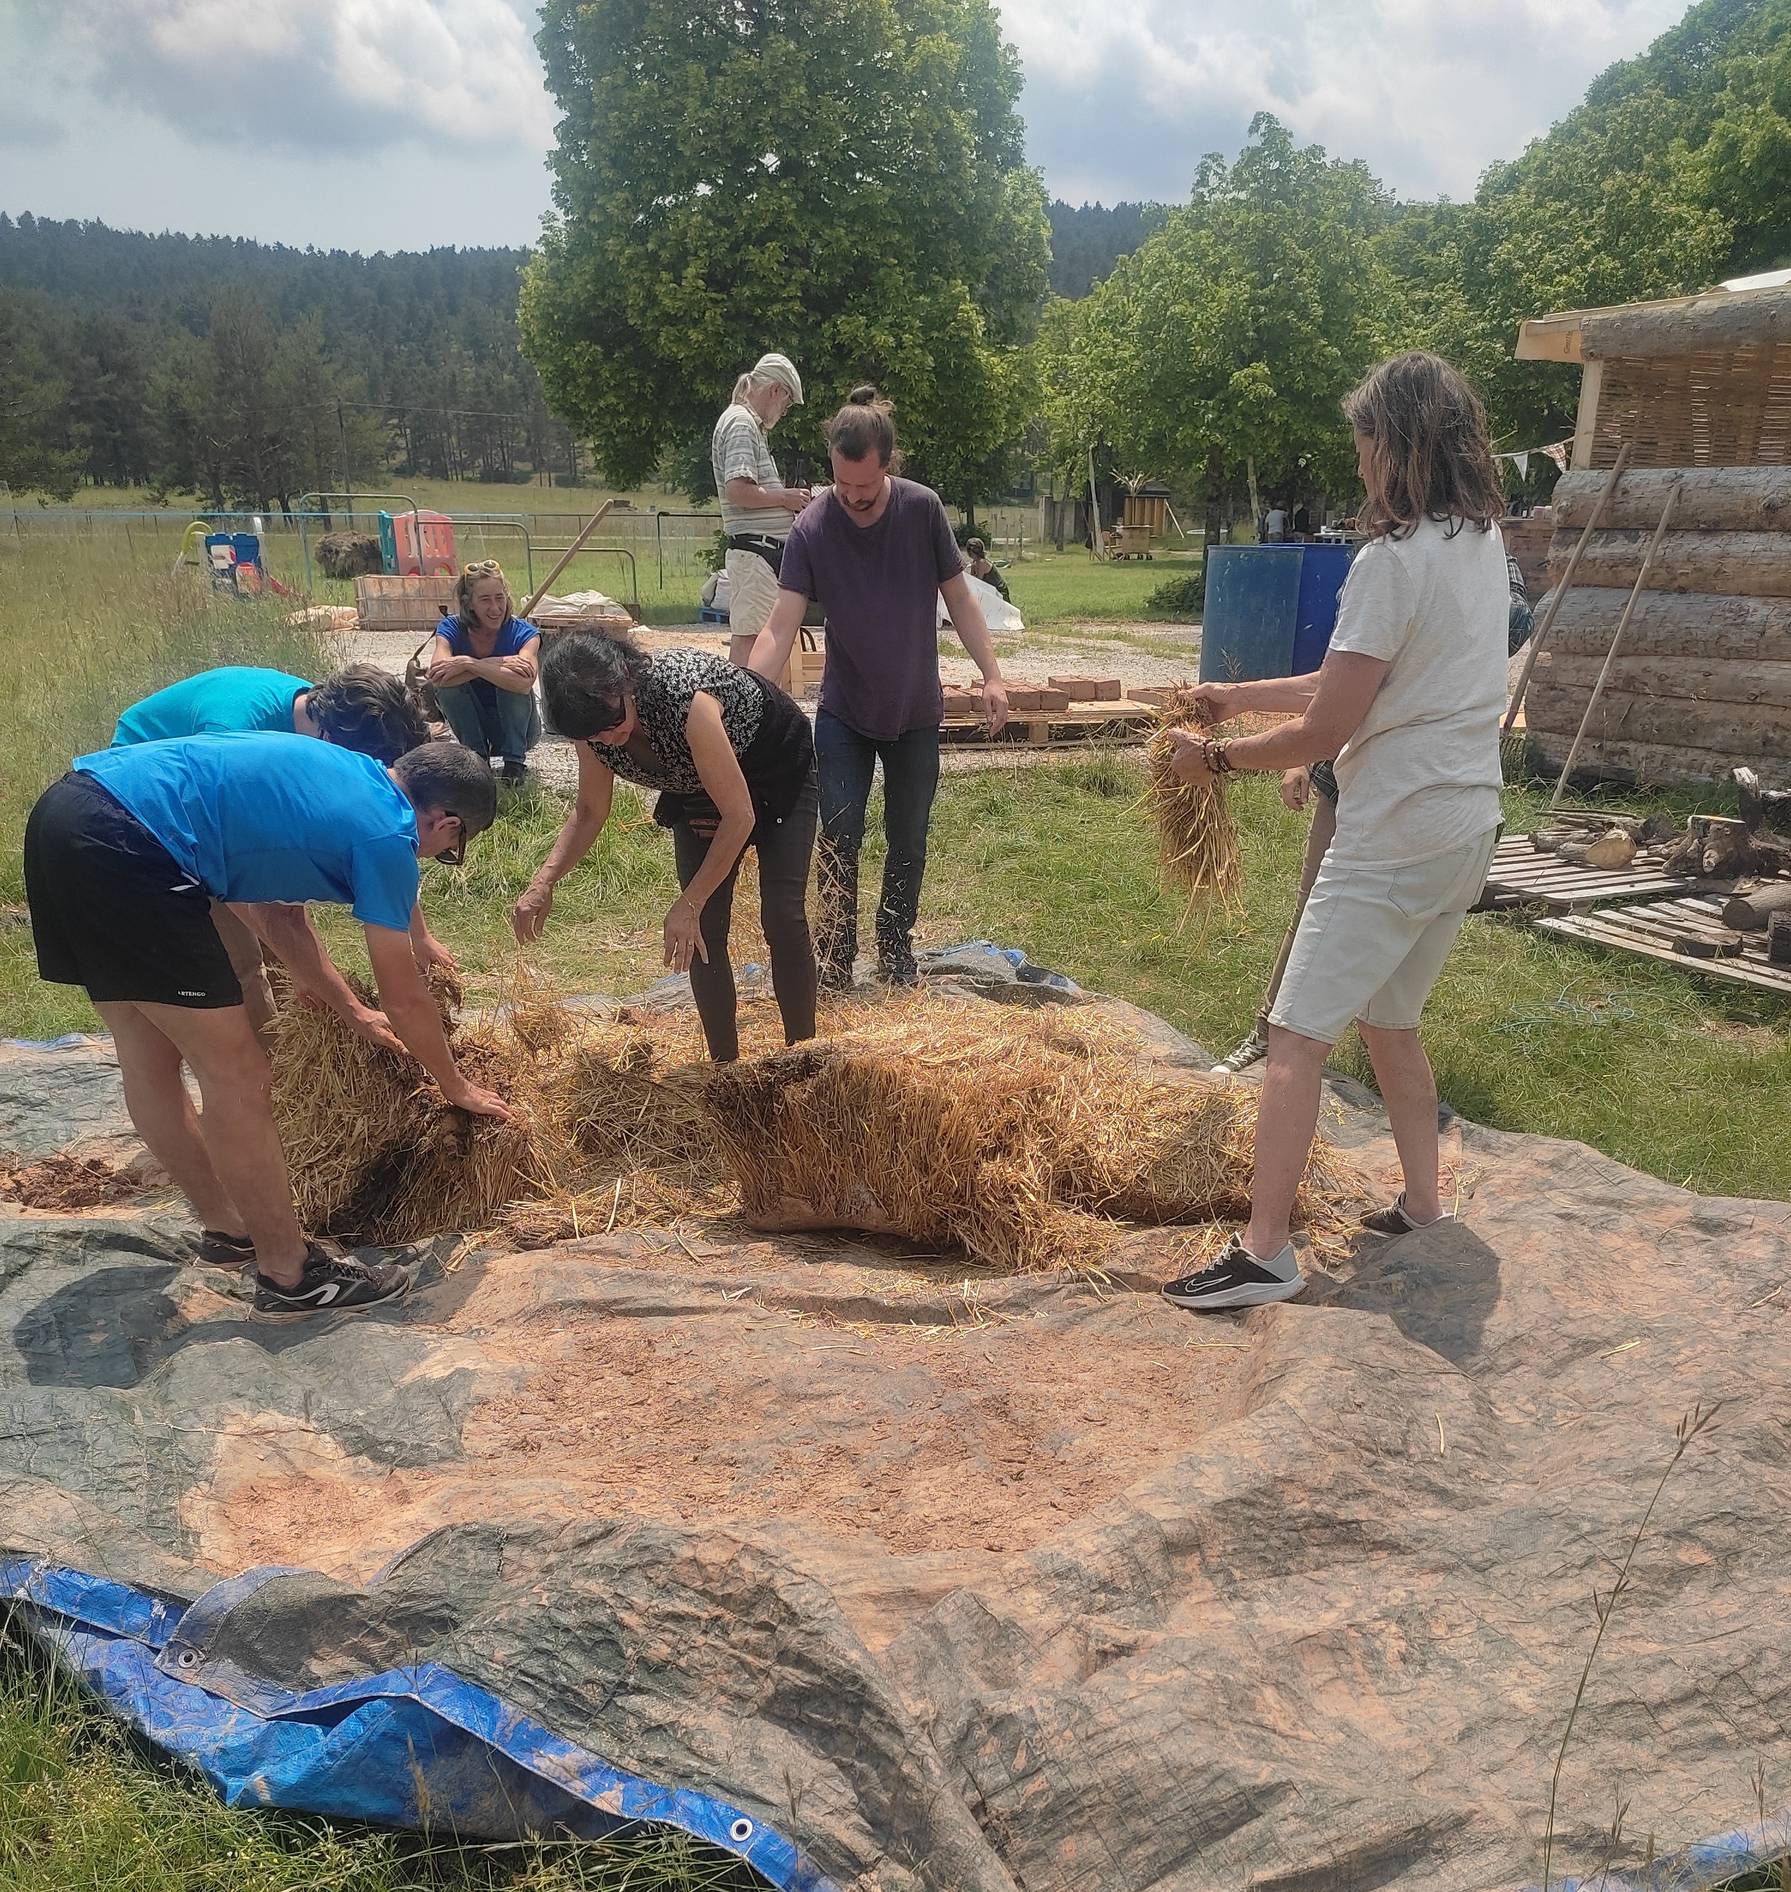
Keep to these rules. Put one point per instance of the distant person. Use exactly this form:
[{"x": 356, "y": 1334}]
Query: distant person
[
  {"x": 124, "y": 857},
  {"x": 1408, "y": 699},
  {"x": 981, "y": 566},
  {"x": 483, "y": 670},
  {"x": 877, "y": 551},
  {"x": 734, "y": 763},
  {"x": 1274, "y": 523},
  {"x": 1300, "y": 525},
  {"x": 363, "y": 708},
  {"x": 756, "y": 506}
]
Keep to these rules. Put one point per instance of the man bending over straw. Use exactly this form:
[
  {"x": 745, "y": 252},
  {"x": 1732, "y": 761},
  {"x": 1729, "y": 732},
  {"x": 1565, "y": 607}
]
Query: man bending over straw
[
  {"x": 123, "y": 859},
  {"x": 1408, "y": 700}
]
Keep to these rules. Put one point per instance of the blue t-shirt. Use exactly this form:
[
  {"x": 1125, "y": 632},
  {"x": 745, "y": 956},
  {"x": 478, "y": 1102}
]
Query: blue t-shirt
[
  {"x": 512, "y": 635},
  {"x": 273, "y": 817},
  {"x": 211, "y": 703}
]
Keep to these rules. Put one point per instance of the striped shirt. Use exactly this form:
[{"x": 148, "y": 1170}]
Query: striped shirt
[{"x": 738, "y": 451}]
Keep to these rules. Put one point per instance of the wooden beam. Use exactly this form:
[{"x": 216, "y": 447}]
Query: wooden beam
[
  {"x": 1713, "y": 499},
  {"x": 1585, "y": 426}
]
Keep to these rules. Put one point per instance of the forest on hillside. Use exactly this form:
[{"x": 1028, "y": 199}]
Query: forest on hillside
[{"x": 252, "y": 372}]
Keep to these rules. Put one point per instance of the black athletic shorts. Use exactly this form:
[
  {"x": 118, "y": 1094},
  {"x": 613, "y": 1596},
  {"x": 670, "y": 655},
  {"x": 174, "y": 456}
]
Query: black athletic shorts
[{"x": 112, "y": 910}]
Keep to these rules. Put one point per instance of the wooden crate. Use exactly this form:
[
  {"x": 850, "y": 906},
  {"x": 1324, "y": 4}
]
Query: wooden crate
[{"x": 407, "y": 604}]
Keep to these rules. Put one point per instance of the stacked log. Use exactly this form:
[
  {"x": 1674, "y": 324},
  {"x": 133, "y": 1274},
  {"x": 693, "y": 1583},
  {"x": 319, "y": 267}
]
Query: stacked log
[{"x": 1702, "y": 680}]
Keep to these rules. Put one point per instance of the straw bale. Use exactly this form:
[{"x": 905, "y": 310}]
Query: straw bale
[
  {"x": 1025, "y": 1143},
  {"x": 1029, "y": 1142}
]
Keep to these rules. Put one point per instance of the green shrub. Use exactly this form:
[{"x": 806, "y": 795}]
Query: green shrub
[{"x": 1183, "y": 597}]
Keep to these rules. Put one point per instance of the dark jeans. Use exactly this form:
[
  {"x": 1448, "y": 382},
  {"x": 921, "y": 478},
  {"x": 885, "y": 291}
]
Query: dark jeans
[
  {"x": 491, "y": 721},
  {"x": 845, "y": 760},
  {"x": 785, "y": 849}
]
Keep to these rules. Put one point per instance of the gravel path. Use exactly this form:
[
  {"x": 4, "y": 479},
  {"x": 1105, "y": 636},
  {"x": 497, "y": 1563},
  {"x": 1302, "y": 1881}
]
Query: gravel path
[{"x": 1137, "y": 654}]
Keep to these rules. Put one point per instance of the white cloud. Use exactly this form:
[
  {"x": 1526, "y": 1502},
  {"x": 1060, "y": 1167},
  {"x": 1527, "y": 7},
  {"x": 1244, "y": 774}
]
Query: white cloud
[
  {"x": 321, "y": 75},
  {"x": 1124, "y": 96}
]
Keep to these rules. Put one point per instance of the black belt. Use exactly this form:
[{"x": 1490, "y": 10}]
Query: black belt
[{"x": 762, "y": 544}]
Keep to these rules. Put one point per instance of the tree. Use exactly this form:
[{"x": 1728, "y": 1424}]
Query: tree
[
  {"x": 1222, "y": 348},
  {"x": 32, "y": 400},
  {"x": 841, "y": 179}
]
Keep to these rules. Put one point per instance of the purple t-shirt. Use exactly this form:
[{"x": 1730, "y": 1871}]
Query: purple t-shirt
[{"x": 879, "y": 586}]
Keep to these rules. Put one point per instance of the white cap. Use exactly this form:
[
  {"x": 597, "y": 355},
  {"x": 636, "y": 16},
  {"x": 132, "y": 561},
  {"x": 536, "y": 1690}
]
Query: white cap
[{"x": 782, "y": 370}]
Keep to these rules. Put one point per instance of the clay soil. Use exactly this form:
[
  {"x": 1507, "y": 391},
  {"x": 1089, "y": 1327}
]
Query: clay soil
[
  {"x": 65, "y": 1182},
  {"x": 871, "y": 1409}
]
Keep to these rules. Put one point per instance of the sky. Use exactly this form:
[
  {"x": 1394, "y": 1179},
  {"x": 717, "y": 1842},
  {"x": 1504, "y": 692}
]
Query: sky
[{"x": 399, "y": 124}]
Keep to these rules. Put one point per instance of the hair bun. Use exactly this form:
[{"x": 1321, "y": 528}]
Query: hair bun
[{"x": 864, "y": 395}]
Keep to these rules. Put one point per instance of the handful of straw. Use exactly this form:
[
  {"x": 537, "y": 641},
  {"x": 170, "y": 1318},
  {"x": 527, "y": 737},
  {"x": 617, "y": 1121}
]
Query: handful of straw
[{"x": 1197, "y": 838}]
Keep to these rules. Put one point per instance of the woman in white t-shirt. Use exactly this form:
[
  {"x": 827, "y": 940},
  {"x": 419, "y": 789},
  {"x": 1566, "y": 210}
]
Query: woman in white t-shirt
[{"x": 1408, "y": 701}]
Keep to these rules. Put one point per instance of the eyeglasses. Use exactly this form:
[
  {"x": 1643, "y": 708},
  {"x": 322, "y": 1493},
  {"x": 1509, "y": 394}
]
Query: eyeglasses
[{"x": 455, "y": 856}]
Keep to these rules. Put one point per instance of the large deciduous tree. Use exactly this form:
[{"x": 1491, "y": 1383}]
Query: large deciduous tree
[
  {"x": 844, "y": 180},
  {"x": 1221, "y": 349}
]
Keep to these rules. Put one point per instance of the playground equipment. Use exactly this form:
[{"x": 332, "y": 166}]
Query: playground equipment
[{"x": 231, "y": 560}]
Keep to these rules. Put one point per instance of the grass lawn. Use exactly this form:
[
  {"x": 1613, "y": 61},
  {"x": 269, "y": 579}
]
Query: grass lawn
[
  {"x": 669, "y": 561},
  {"x": 1691, "y": 1082}
]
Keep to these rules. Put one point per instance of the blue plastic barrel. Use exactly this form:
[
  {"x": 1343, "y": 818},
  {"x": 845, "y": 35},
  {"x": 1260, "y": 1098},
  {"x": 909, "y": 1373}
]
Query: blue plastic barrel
[{"x": 1270, "y": 609}]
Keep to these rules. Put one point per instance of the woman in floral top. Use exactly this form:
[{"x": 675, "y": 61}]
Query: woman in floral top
[{"x": 733, "y": 760}]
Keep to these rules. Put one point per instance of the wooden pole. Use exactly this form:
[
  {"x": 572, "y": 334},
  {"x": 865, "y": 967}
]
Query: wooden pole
[
  {"x": 1540, "y": 635},
  {"x": 566, "y": 557},
  {"x": 1610, "y": 656}
]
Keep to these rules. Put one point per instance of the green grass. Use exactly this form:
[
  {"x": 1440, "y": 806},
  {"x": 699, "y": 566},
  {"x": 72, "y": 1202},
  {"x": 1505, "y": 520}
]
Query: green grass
[
  {"x": 82, "y": 1809},
  {"x": 1055, "y": 587},
  {"x": 669, "y": 565}
]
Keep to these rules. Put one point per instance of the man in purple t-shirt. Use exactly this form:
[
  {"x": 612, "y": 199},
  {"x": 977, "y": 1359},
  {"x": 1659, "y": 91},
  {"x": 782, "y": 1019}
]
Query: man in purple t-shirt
[{"x": 877, "y": 551}]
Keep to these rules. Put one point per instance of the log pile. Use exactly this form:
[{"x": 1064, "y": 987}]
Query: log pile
[{"x": 1702, "y": 681}]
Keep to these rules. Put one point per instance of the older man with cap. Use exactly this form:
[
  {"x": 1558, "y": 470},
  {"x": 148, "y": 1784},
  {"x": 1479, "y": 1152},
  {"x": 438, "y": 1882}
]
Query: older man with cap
[{"x": 756, "y": 506}]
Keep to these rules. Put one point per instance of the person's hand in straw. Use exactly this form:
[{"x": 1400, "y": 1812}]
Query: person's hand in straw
[
  {"x": 1197, "y": 759},
  {"x": 528, "y": 918}
]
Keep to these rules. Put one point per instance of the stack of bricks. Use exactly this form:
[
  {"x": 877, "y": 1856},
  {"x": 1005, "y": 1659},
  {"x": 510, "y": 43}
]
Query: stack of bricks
[
  {"x": 1088, "y": 689},
  {"x": 965, "y": 704}
]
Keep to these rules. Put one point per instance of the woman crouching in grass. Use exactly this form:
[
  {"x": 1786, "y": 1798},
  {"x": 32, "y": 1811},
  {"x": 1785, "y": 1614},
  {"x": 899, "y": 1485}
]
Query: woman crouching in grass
[
  {"x": 733, "y": 759},
  {"x": 1408, "y": 700}
]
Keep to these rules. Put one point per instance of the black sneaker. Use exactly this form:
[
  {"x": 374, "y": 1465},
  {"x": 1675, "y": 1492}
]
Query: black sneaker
[
  {"x": 330, "y": 1286},
  {"x": 1252, "y": 1051},
  {"x": 1394, "y": 1219},
  {"x": 516, "y": 773},
  {"x": 218, "y": 1250},
  {"x": 1238, "y": 1279}
]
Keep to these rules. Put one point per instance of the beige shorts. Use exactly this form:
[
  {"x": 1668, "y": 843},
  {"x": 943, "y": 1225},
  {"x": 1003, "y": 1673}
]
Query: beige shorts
[
  {"x": 752, "y": 591},
  {"x": 1372, "y": 941}
]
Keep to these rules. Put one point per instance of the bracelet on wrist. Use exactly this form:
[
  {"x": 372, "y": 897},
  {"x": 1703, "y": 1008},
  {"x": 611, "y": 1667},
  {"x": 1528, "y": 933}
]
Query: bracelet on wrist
[{"x": 1217, "y": 760}]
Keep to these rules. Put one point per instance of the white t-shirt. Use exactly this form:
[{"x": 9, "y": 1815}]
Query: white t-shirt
[{"x": 1421, "y": 774}]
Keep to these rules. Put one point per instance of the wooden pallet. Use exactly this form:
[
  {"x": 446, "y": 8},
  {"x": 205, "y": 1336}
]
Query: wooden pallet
[
  {"x": 1090, "y": 722},
  {"x": 1650, "y": 931},
  {"x": 1522, "y": 877}
]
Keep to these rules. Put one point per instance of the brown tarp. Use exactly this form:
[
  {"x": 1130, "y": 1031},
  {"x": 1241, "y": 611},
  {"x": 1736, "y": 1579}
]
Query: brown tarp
[{"x": 980, "y": 1585}]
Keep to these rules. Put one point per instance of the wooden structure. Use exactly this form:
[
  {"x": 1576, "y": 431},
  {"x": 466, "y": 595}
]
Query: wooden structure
[
  {"x": 1700, "y": 387},
  {"x": 412, "y": 605},
  {"x": 1659, "y": 931},
  {"x": 1520, "y": 877},
  {"x": 1147, "y": 509}
]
